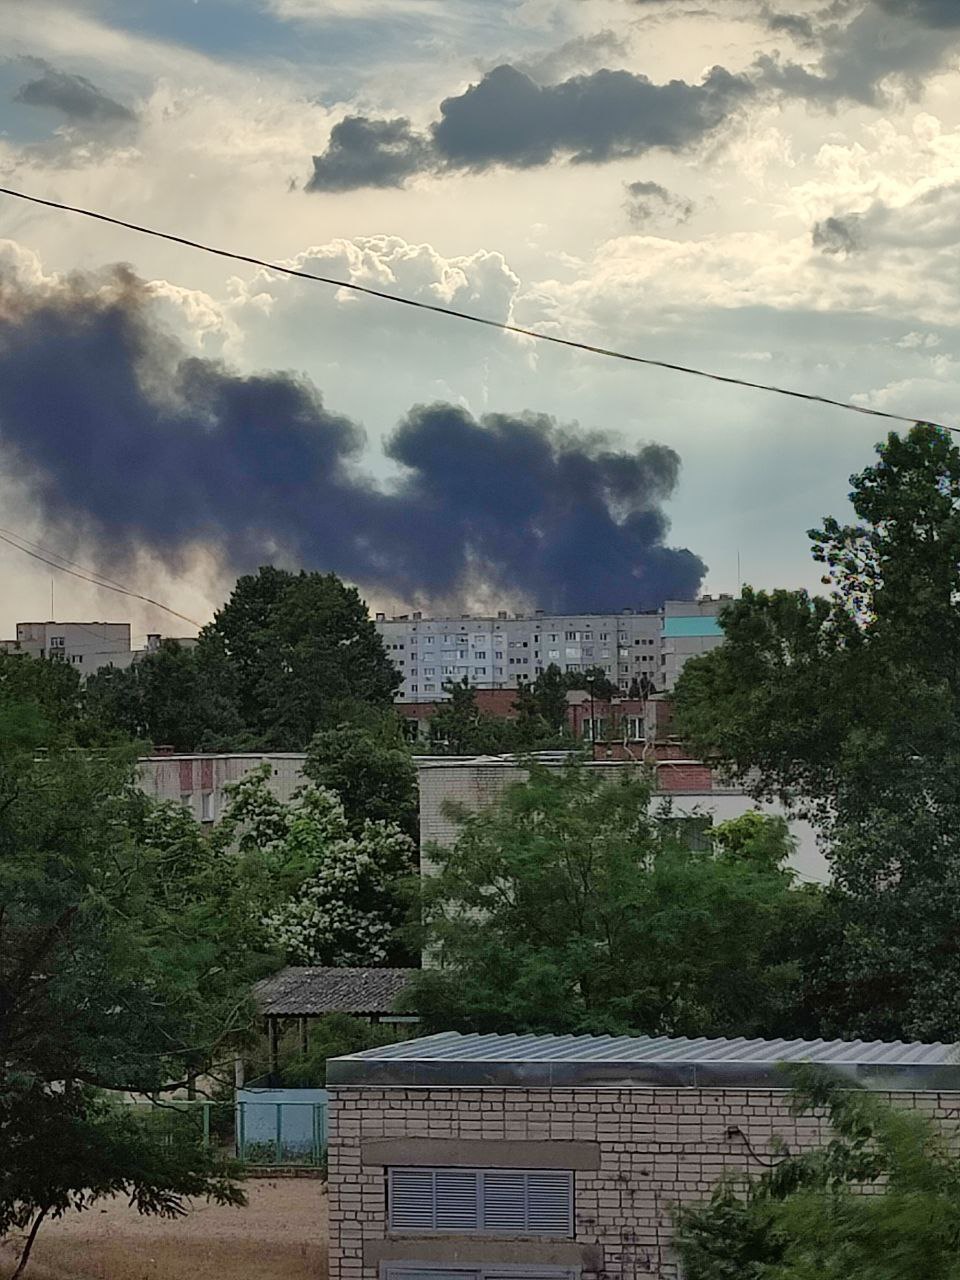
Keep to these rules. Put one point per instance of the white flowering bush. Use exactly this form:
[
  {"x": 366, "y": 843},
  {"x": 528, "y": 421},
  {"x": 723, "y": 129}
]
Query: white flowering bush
[{"x": 337, "y": 901}]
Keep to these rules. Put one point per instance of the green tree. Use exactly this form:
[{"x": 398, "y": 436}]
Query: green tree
[
  {"x": 171, "y": 697},
  {"x": 550, "y": 694},
  {"x": 807, "y": 1218},
  {"x": 462, "y": 728},
  {"x": 118, "y": 972},
  {"x": 849, "y": 705},
  {"x": 296, "y": 653},
  {"x": 331, "y": 1037},
  {"x": 324, "y": 893},
  {"x": 571, "y": 907},
  {"x": 371, "y": 770}
]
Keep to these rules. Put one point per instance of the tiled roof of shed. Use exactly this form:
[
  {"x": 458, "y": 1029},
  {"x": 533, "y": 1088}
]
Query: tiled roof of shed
[
  {"x": 309, "y": 991},
  {"x": 535, "y": 1061}
]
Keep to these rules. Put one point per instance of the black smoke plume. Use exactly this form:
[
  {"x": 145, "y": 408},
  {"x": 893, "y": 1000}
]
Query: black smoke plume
[{"x": 122, "y": 438}]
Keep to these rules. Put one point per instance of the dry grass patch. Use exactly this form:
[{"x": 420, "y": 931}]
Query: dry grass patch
[{"x": 280, "y": 1235}]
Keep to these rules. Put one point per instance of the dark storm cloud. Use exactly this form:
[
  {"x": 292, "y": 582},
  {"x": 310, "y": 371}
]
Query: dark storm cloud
[
  {"x": 119, "y": 437},
  {"x": 867, "y": 53},
  {"x": 369, "y": 153},
  {"x": 838, "y": 235},
  {"x": 942, "y": 14},
  {"x": 649, "y": 200},
  {"x": 507, "y": 118},
  {"x": 78, "y": 98},
  {"x": 800, "y": 27}
]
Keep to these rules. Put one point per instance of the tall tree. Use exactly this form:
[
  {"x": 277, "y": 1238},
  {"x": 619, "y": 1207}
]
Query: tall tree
[
  {"x": 850, "y": 706},
  {"x": 324, "y": 892},
  {"x": 370, "y": 769},
  {"x": 172, "y": 697},
  {"x": 297, "y": 653},
  {"x": 571, "y": 907},
  {"x": 118, "y": 972}
]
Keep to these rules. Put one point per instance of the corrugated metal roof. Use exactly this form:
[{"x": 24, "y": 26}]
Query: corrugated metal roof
[
  {"x": 307, "y": 991},
  {"x": 453, "y": 1059}
]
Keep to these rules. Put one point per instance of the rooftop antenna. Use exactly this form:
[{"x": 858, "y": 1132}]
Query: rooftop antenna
[{"x": 53, "y": 615}]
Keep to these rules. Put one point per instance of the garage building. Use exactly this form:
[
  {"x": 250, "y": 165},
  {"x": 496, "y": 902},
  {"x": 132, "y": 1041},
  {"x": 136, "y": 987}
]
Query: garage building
[{"x": 466, "y": 1157}]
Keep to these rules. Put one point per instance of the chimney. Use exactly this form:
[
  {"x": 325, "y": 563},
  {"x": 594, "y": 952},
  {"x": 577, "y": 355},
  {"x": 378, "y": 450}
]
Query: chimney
[
  {"x": 417, "y": 616},
  {"x": 502, "y": 615}
]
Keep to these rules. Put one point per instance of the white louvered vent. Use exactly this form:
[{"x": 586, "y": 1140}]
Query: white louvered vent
[
  {"x": 550, "y": 1203},
  {"x": 491, "y": 1201},
  {"x": 411, "y": 1198},
  {"x": 455, "y": 1199}
]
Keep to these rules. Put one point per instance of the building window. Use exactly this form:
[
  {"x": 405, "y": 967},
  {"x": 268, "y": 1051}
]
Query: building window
[
  {"x": 206, "y": 806},
  {"x": 498, "y": 653},
  {"x": 494, "y": 1201},
  {"x": 428, "y": 640},
  {"x": 57, "y": 642},
  {"x": 595, "y": 730},
  {"x": 414, "y": 689},
  {"x": 430, "y": 687},
  {"x": 572, "y": 635},
  {"x": 481, "y": 655},
  {"x": 604, "y": 635},
  {"x": 429, "y": 671}
]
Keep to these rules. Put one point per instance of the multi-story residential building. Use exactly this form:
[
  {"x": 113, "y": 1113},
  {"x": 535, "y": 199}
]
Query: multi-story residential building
[
  {"x": 689, "y": 628},
  {"x": 502, "y": 652},
  {"x": 88, "y": 646}
]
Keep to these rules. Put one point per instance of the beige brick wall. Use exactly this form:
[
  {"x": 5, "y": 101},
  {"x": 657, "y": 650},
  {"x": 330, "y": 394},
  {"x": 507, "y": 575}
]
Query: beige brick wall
[{"x": 657, "y": 1147}]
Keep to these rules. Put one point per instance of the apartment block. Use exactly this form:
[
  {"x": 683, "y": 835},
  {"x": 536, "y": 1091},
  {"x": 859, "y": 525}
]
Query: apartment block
[
  {"x": 504, "y": 651},
  {"x": 88, "y": 646}
]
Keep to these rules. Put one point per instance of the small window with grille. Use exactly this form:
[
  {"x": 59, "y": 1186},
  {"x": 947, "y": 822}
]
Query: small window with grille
[{"x": 481, "y": 1201}]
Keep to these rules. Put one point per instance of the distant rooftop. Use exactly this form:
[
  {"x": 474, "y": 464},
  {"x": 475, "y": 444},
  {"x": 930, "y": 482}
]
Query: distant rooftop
[
  {"x": 532, "y": 1061},
  {"x": 303, "y": 992},
  {"x": 538, "y": 615}
]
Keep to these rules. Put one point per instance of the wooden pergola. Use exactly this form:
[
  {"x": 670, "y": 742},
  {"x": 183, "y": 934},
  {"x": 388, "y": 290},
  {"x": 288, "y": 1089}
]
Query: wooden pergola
[{"x": 308, "y": 992}]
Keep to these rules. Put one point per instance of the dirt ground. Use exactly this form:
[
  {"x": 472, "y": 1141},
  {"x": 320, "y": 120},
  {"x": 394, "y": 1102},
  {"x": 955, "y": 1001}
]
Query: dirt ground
[{"x": 280, "y": 1235}]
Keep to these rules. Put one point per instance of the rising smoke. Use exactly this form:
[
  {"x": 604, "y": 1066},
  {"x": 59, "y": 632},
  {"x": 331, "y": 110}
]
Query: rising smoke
[{"x": 120, "y": 437}]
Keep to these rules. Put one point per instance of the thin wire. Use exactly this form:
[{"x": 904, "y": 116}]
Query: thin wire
[
  {"x": 106, "y": 586},
  {"x": 11, "y": 533},
  {"x": 466, "y": 315}
]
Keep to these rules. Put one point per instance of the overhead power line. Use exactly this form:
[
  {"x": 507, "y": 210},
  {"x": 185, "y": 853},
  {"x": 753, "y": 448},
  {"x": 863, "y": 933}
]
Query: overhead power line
[
  {"x": 384, "y": 296},
  {"x": 85, "y": 575}
]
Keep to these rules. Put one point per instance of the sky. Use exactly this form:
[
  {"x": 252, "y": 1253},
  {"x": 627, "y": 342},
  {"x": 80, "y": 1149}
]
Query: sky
[{"x": 770, "y": 190}]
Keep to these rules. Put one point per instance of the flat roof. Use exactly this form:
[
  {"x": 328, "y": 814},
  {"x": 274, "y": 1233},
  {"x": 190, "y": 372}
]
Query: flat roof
[{"x": 530, "y": 1061}]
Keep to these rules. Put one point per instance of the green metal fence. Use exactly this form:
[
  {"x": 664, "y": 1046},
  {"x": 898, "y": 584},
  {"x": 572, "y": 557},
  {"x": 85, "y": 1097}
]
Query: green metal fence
[{"x": 256, "y": 1132}]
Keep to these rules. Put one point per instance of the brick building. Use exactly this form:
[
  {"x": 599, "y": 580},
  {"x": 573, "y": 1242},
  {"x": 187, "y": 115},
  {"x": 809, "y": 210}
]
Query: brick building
[
  {"x": 554, "y": 1157},
  {"x": 698, "y": 798}
]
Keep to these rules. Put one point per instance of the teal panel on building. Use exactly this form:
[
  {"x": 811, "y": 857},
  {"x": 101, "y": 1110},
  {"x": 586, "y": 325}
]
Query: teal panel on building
[{"x": 687, "y": 628}]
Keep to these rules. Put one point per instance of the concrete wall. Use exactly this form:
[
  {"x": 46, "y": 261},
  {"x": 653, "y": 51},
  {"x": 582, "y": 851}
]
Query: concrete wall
[
  {"x": 199, "y": 781},
  {"x": 475, "y": 784},
  {"x": 637, "y": 1153}
]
